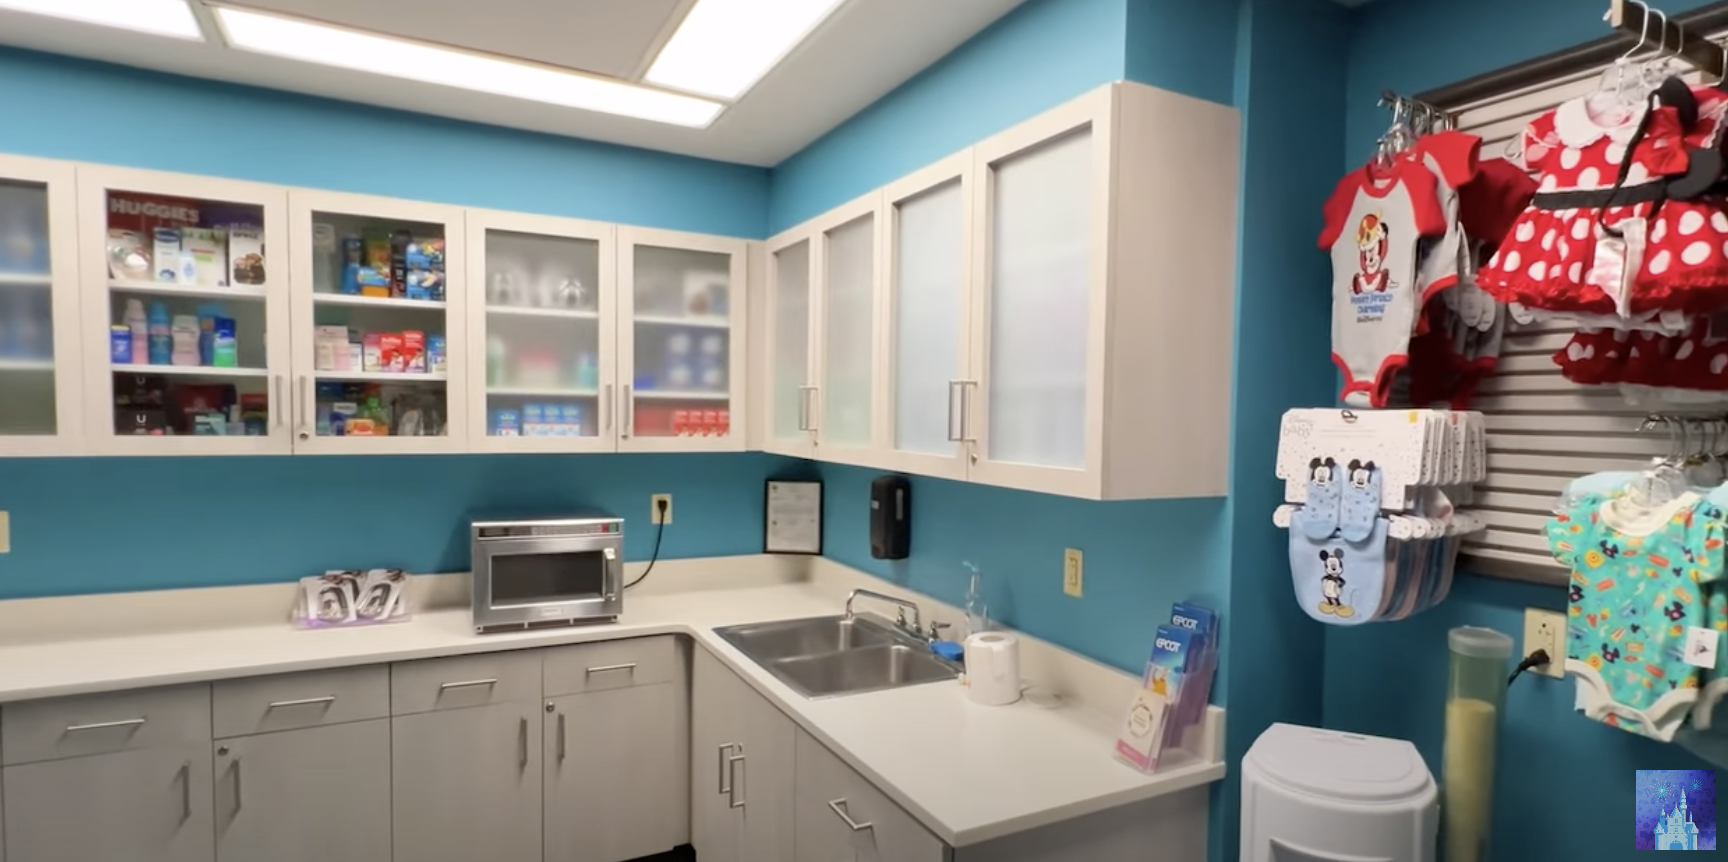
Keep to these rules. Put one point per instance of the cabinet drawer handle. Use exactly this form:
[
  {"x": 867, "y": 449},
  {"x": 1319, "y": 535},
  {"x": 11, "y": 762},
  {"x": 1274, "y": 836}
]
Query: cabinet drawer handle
[
  {"x": 722, "y": 771},
  {"x": 732, "y": 764},
  {"x": 522, "y": 744},
  {"x": 838, "y": 806},
  {"x": 612, "y": 667},
  {"x": 105, "y": 725},
  {"x": 471, "y": 683},
  {"x": 307, "y": 701},
  {"x": 560, "y": 737},
  {"x": 185, "y": 791}
]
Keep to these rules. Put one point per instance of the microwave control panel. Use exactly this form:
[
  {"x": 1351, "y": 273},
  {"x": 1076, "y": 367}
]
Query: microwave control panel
[{"x": 515, "y": 531}]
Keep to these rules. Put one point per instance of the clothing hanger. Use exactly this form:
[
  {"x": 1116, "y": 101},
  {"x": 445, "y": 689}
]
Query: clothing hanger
[{"x": 1618, "y": 71}]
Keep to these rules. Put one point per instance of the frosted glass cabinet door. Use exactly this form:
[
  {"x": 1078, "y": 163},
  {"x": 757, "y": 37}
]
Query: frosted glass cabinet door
[
  {"x": 39, "y": 406},
  {"x": 547, "y": 312},
  {"x": 927, "y": 301},
  {"x": 848, "y": 334},
  {"x": 186, "y": 310},
  {"x": 1037, "y": 309},
  {"x": 682, "y": 342},
  {"x": 379, "y": 325},
  {"x": 789, "y": 375}
]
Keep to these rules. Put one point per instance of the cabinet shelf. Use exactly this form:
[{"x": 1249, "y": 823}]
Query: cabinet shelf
[
  {"x": 704, "y": 322},
  {"x": 35, "y": 365},
  {"x": 163, "y": 288},
  {"x": 541, "y": 392},
  {"x": 190, "y": 370},
  {"x": 380, "y": 377},
  {"x": 680, "y": 395},
  {"x": 524, "y": 311},
  {"x": 25, "y": 279},
  {"x": 351, "y": 299}
]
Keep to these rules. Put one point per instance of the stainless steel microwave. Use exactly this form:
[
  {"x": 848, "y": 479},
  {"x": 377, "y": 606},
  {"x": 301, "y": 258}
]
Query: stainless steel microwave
[{"x": 552, "y": 572}]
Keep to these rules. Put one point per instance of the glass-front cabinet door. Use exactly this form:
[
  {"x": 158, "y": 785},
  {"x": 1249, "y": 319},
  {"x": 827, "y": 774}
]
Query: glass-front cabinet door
[
  {"x": 847, "y": 267},
  {"x": 926, "y": 310},
  {"x": 185, "y": 307},
  {"x": 40, "y": 411},
  {"x": 1038, "y": 411},
  {"x": 544, "y": 316},
  {"x": 791, "y": 277},
  {"x": 681, "y": 345},
  {"x": 379, "y": 327}
]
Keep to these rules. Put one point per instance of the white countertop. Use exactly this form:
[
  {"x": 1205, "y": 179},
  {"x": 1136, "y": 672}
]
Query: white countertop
[{"x": 969, "y": 773}]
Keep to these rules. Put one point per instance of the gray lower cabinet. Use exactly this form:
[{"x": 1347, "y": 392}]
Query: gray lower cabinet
[
  {"x": 321, "y": 793},
  {"x": 843, "y": 818},
  {"x": 611, "y": 767},
  {"x": 140, "y": 805},
  {"x": 742, "y": 769},
  {"x": 466, "y": 784}
]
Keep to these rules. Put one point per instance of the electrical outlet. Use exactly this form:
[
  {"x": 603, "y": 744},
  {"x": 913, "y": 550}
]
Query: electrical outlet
[
  {"x": 657, "y": 504},
  {"x": 1546, "y": 630},
  {"x": 1073, "y": 571},
  {"x": 5, "y": 533}
]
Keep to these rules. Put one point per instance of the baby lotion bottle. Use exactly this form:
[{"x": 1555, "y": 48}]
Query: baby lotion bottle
[
  {"x": 1474, "y": 696},
  {"x": 140, "y": 326}
]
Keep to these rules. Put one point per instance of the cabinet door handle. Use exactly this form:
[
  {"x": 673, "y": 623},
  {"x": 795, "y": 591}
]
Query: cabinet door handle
[
  {"x": 722, "y": 771},
  {"x": 560, "y": 737},
  {"x": 185, "y": 791},
  {"x": 612, "y": 667},
  {"x": 813, "y": 396},
  {"x": 628, "y": 408},
  {"x": 522, "y": 744},
  {"x": 838, "y": 806},
  {"x": 105, "y": 725},
  {"x": 308, "y": 701},
  {"x": 469, "y": 683},
  {"x": 276, "y": 405},
  {"x": 236, "y": 785},
  {"x": 956, "y": 416},
  {"x": 967, "y": 389},
  {"x": 732, "y": 764},
  {"x": 305, "y": 394},
  {"x": 803, "y": 409},
  {"x": 606, "y": 409}
]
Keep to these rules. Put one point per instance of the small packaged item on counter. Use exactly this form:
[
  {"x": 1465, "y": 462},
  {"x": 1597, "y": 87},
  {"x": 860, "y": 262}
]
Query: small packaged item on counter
[
  {"x": 352, "y": 597},
  {"x": 506, "y": 423},
  {"x": 246, "y": 253},
  {"x": 373, "y": 358},
  {"x": 120, "y": 344},
  {"x": 166, "y": 256},
  {"x": 204, "y": 257},
  {"x": 390, "y": 355},
  {"x": 128, "y": 259},
  {"x": 383, "y": 596},
  {"x": 414, "y": 351},
  {"x": 435, "y": 361}
]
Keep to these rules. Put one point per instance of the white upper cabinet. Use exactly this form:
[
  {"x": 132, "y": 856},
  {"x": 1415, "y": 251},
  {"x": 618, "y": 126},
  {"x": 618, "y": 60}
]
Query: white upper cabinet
[
  {"x": 1051, "y": 308},
  {"x": 848, "y": 267},
  {"x": 40, "y": 408},
  {"x": 682, "y": 354},
  {"x": 380, "y": 346},
  {"x": 790, "y": 374},
  {"x": 185, "y": 297},
  {"x": 544, "y": 314},
  {"x": 924, "y": 350}
]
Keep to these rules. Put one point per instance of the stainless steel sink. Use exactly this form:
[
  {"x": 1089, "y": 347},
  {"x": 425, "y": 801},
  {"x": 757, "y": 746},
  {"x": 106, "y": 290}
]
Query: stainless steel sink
[{"x": 831, "y": 656}]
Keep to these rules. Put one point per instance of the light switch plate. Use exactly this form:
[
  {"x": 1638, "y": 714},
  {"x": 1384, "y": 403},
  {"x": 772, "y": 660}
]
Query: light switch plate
[
  {"x": 1073, "y": 571},
  {"x": 5, "y": 533},
  {"x": 1546, "y": 630}
]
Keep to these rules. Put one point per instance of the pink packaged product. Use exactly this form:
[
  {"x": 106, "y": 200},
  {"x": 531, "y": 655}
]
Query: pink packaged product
[{"x": 352, "y": 597}]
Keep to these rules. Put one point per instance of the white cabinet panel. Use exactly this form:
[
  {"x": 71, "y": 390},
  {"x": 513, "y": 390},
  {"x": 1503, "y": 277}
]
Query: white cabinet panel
[
  {"x": 544, "y": 313},
  {"x": 843, "y": 818},
  {"x": 146, "y": 805},
  {"x": 466, "y": 784},
  {"x": 791, "y": 260},
  {"x": 610, "y": 771},
  {"x": 742, "y": 769},
  {"x": 319, "y": 793},
  {"x": 40, "y": 409},
  {"x": 848, "y": 334}
]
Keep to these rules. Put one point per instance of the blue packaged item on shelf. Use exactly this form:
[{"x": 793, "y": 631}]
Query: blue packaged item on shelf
[
  {"x": 570, "y": 420},
  {"x": 506, "y": 423},
  {"x": 1203, "y": 622},
  {"x": 119, "y": 344}
]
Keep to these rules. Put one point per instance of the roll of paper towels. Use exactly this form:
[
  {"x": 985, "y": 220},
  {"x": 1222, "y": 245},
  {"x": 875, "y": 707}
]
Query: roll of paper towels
[{"x": 993, "y": 668}]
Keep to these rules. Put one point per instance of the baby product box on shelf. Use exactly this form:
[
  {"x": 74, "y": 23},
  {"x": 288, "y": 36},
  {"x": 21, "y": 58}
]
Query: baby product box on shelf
[
  {"x": 1408, "y": 448},
  {"x": 1170, "y": 705},
  {"x": 352, "y": 597}
]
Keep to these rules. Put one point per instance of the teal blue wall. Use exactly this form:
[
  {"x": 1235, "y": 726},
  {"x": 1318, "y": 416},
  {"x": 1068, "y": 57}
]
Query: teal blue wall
[
  {"x": 103, "y": 525},
  {"x": 1564, "y": 784}
]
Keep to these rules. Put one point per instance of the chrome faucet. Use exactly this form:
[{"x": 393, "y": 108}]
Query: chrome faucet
[{"x": 915, "y": 626}]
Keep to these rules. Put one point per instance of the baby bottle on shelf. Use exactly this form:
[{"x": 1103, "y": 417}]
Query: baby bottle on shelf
[{"x": 1474, "y": 695}]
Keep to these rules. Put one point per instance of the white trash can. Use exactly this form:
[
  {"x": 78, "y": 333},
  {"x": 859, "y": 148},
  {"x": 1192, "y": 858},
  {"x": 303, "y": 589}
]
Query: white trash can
[{"x": 1312, "y": 795}]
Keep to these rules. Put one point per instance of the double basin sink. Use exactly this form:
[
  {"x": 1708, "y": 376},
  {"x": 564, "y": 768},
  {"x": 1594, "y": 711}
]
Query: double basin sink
[{"x": 822, "y": 657}]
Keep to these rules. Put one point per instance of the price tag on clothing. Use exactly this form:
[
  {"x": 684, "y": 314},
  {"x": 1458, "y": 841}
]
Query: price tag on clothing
[{"x": 1701, "y": 646}]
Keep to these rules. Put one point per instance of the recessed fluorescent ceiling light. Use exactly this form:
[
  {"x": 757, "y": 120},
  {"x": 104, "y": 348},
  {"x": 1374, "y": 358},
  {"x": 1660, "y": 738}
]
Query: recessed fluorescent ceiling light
[
  {"x": 158, "y": 17},
  {"x": 381, "y": 55},
  {"x": 725, "y": 46}
]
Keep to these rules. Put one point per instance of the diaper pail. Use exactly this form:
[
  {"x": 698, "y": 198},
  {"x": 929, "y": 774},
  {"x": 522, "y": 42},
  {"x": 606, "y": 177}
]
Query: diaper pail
[{"x": 1312, "y": 795}]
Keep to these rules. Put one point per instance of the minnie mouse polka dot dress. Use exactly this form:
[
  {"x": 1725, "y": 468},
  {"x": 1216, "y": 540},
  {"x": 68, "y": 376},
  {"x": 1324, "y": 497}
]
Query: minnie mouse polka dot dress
[{"x": 1586, "y": 246}]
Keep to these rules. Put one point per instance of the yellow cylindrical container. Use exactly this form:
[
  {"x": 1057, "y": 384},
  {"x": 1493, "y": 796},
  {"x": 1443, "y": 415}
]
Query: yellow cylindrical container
[{"x": 1475, "y": 693}]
